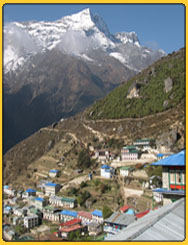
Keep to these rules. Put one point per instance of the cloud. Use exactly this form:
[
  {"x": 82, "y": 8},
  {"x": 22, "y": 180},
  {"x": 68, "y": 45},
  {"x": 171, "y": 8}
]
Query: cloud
[
  {"x": 75, "y": 43},
  {"x": 19, "y": 39},
  {"x": 152, "y": 44}
]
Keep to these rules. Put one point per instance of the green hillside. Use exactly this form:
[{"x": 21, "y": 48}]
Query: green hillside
[{"x": 158, "y": 88}]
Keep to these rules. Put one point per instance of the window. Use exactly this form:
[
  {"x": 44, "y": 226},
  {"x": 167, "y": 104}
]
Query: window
[
  {"x": 172, "y": 176},
  {"x": 183, "y": 177},
  {"x": 178, "y": 177}
]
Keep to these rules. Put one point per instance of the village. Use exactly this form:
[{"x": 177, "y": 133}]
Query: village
[{"x": 54, "y": 210}]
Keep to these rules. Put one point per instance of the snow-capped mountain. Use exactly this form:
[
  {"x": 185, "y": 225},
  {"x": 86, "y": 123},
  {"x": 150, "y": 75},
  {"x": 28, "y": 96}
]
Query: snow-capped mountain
[{"x": 78, "y": 34}]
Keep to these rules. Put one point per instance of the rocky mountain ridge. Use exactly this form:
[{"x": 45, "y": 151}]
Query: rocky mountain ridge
[{"x": 53, "y": 70}]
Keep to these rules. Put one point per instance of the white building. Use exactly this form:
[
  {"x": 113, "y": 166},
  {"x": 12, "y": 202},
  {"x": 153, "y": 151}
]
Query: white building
[
  {"x": 107, "y": 171},
  {"x": 129, "y": 153},
  {"x": 125, "y": 171},
  {"x": 64, "y": 202},
  {"x": 31, "y": 221},
  {"x": 51, "y": 189},
  {"x": 97, "y": 216},
  {"x": 53, "y": 173},
  {"x": 9, "y": 191},
  {"x": 144, "y": 144},
  {"x": 51, "y": 214}
]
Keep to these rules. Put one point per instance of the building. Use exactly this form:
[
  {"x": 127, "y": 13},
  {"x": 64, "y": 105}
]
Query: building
[
  {"x": 129, "y": 153},
  {"x": 125, "y": 171},
  {"x": 116, "y": 222},
  {"x": 51, "y": 189},
  {"x": 51, "y": 214},
  {"x": 102, "y": 155},
  {"x": 8, "y": 233},
  {"x": 39, "y": 202},
  {"x": 94, "y": 228},
  {"x": 97, "y": 216},
  {"x": 86, "y": 217},
  {"x": 29, "y": 192},
  {"x": 31, "y": 221},
  {"x": 53, "y": 173},
  {"x": 64, "y": 202},
  {"x": 173, "y": 178},
  {"x": 124, "y": 209},
  {"x": 7, "y": 210},
  {"x": 9, "y": 191},
  {"x": 161, "y": 156},
  {"x": 163, "y": 224},
  {"x": 69, "y": 226},
  {"x": 144, "y": 144},
  {"x": 107, "y": 171},
  {"x": 67, "y": 215}
]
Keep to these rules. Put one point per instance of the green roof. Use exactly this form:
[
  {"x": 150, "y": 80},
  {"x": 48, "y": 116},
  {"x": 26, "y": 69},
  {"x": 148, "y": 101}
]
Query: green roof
[
  {"x": 49, "y": 208},
  {"x": 133, "y": 151},
  {"x": 67, "y": 199},
  {"x": 129, "y": 147},
  {"x": 126, "y": 168}
]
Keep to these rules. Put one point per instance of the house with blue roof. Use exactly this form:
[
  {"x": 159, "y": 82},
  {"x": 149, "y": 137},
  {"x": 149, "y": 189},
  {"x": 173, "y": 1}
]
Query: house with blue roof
[
  {"x": 173, "y": 178},
  {"x": 39, "y": 202},
  {"x": 67, "y": 215},
  {"x": 97, "y": 216},
  {"x": 107, "y": 171},
  {"x": 53, "y": 173},
  {"x": 29, "y": 192},
  {"x": 51, "y": 189}
]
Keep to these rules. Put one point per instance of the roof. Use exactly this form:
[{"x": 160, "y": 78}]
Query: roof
[
  {"x": 69, "y": 213},
  {"x": 53, "y": 171},
  {"x": 6, "y": 186},
  {"x": 164, "y": 224},
  {"x": 173, "y": 160},
  {"x": 105, "y": 166},
  {"x": 67, "y": 199},
  {"x": 124, "y": 208},
  {"x": 71, "y": 222},
  {"x": 171, "y": 192},
  {"x": 120, "y": 218},
  {"x": 130, "y": 211},
  {"x": 97, "y": 213},
  {"x": 50, "y": 184},
  {"x": 141, "y": 214},
  {"x": 160, "y": 155},
  {"x": 71, "y": 228},
  {"x": 126, "y": 168},
  {"x": 129, "y": 147},
  {"x": 40, "y": 199},
  {"x": 30, "y": 190},
  {"x": 85, "y": 214}
]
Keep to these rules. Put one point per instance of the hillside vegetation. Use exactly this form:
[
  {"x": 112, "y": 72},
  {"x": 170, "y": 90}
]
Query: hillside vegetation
[{"x": 156, "y": 89}]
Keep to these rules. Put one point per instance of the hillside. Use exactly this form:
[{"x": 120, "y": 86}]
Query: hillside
[
  {"x": 45, "y": 148},
  {"x": 156, "y": 89}
]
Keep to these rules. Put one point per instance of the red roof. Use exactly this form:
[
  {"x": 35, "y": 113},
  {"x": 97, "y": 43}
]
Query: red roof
[
  {"x": 72, "y": 228},
  {"x": 124, "y": 208},
  {"x": 85, "y": 214},
  {"x": 140, "y": 215},
  {"x": 71, "y": 222}
]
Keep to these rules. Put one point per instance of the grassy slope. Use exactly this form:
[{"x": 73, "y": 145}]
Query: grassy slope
[{"x": 151, "y": 91}]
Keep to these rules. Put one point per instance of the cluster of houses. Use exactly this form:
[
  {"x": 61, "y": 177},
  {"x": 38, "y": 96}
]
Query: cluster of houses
[
  {"x": 141, "y": 148},
  {"x": 46, "y": 205}
]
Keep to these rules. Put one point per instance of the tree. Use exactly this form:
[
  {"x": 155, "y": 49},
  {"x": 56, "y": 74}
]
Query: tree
[
  {"x": 84, "y": 160},
  {"x": 106, "y": 212}
]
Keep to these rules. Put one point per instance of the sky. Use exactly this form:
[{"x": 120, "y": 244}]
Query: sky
[{"x": 157, "y": 25}]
